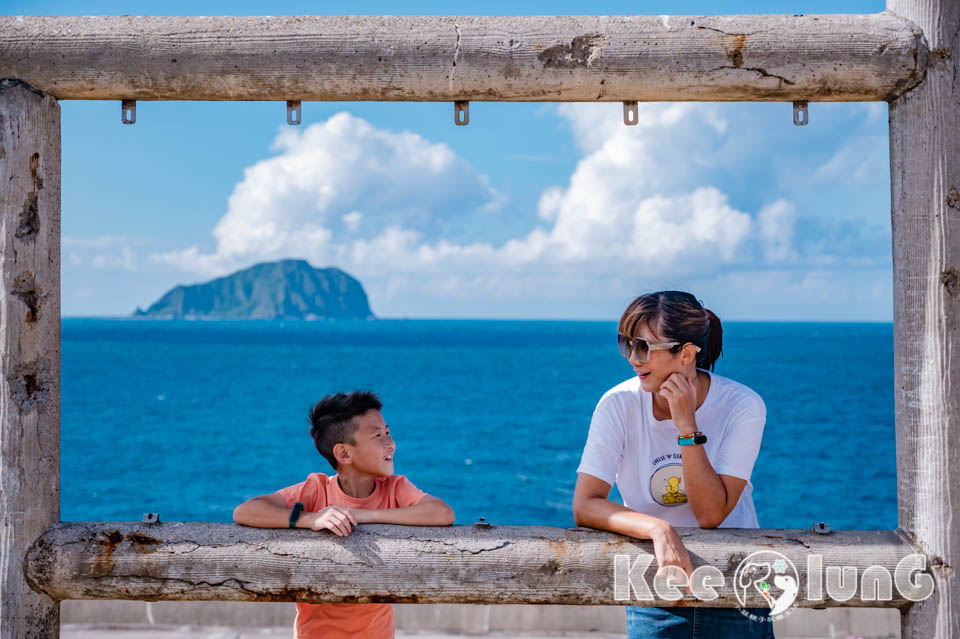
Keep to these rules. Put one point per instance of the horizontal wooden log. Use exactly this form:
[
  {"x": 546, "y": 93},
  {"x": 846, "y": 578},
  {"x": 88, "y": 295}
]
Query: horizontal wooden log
[
  {"x": 459, "y": 564},
  {"x": 533, "y": 58}
]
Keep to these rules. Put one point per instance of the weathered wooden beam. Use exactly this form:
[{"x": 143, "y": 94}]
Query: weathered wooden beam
[
  {"x": 460, "y": 564},
  {"x": 925, "y": 176},
  {"x": 536, "y": 58},
  {"x": 29, "y": 348}
]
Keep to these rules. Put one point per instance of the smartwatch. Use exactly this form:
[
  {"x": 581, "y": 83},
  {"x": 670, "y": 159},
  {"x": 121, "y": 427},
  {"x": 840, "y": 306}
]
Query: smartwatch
[
  {"x": 295, "y": 514},
  {"x": 695, "y": 439}
]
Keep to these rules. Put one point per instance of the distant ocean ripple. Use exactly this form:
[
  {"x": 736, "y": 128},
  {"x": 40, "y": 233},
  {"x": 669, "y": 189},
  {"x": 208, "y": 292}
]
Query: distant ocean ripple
[{"x": 188, "y": 419}]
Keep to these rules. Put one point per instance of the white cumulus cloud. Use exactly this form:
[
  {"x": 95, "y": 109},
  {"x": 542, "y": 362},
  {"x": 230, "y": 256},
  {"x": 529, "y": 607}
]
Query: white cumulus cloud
[
  {"x": 632, "y": 201},
  {"x": 400, "y": 213},
  {"x": 339, "y": 176}
]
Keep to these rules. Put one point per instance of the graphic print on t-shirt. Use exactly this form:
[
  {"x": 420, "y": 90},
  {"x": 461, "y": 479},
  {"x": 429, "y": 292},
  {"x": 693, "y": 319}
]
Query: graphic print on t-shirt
[{"x": 666, "y": 484}]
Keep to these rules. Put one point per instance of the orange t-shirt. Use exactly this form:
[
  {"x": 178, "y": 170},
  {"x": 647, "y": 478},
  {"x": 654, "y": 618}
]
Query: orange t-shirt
[{"x": 345, "y": 621}]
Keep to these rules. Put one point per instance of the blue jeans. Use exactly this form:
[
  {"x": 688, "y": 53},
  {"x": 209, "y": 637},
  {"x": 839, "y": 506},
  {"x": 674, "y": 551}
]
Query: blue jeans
[{"x": 697, "y": 623}]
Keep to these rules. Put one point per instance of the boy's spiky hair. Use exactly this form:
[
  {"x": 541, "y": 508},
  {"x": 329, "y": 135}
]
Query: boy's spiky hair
[{"x": 331, "y": 420}]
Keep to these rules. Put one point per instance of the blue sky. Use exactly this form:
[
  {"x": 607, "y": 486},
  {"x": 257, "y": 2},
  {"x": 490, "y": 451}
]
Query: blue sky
[{"x": 531, "y": 211}]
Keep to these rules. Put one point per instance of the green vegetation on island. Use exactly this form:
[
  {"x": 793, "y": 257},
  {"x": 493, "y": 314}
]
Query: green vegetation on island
[{"x": 287, "y": 289}]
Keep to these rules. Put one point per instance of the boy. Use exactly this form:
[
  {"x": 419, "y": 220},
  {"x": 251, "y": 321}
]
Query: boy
[{"x": 349, "y": 431}]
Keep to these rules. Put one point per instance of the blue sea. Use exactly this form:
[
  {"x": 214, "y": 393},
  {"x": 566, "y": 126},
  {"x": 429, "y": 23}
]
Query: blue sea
[{"x": 188, "y": 419}]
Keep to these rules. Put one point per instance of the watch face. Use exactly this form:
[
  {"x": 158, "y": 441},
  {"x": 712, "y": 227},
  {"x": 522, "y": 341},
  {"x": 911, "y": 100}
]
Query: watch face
[{"x": 700, "y": 439}]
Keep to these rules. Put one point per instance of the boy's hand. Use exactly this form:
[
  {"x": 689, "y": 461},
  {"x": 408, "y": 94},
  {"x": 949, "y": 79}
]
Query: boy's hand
[{"x": 338, "y": 519}]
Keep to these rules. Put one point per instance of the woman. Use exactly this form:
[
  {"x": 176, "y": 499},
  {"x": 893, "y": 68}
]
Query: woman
[{"x": 680, "y": 442}]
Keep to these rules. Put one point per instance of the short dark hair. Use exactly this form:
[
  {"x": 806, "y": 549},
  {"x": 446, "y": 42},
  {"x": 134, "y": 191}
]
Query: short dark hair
[{"x": 331, "y": 420}]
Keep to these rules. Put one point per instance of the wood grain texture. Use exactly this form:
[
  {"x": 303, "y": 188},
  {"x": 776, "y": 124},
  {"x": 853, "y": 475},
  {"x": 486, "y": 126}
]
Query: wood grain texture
[
  {"x": 29, "y": 348},
  {"x": 379, "y": 563},
  {"x": 925, "y": 174},
  {"x": 535, "y": 58}
]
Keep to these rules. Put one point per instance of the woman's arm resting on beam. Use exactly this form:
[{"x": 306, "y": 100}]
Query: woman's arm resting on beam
[{"x": 592, "y": 508}]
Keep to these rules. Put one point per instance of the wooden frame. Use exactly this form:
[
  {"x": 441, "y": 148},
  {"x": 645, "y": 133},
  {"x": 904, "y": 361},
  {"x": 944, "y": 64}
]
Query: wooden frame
[
  {"x": 459, "y": 564},
  {"x": 907, "y": 56},
  {"x": 827, "y": 58}
]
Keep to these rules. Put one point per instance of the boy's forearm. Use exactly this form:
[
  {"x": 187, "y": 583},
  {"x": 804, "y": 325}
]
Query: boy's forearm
[
  {"x": 260, "y": 513},
  {"x": 434, "y": 512}
]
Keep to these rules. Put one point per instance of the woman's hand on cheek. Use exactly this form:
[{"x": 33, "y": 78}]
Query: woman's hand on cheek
[{"x": 681, "y": 396}]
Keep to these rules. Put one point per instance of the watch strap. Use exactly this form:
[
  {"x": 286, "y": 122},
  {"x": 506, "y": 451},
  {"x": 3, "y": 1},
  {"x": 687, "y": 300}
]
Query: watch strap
[
  {"x": 694, "y": 439},
  {"x": 295, "y": 514}
]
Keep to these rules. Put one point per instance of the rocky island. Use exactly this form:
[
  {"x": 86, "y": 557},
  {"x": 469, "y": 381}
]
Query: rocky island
[{"x": 288, "y": 289}]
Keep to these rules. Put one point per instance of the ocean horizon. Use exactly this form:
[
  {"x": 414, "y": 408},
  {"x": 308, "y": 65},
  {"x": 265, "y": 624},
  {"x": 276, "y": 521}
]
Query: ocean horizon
[
  {"x": 189, "y": 418},
  {"x": 456, "y": 319}
]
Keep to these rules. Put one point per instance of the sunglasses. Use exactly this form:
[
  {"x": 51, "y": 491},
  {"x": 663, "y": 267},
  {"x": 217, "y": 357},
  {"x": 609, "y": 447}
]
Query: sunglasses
[{"x": 639, "y": 349}]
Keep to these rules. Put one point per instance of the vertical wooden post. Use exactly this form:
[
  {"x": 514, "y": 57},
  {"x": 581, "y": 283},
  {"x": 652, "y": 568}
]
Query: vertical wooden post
[
  {"x": 925, "y": 176},
  {"x": 29, "y": 349}
]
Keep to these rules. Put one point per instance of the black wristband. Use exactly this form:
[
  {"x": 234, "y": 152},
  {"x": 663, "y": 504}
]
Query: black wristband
[{"x": 295, "y": 514}]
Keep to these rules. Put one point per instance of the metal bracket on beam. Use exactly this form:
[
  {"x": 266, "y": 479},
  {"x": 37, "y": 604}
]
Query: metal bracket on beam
[
  {"x": 294, "y": 111},
  {"x": 800, "y": 115},
  {"x": 630, "y": 113},
  {"x": 461, "y": 113},
  {"x": 128, "y": 112}
]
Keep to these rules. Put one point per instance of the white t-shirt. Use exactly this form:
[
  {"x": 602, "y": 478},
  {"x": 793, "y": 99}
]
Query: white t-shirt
[{"x": 627, "y": 446}]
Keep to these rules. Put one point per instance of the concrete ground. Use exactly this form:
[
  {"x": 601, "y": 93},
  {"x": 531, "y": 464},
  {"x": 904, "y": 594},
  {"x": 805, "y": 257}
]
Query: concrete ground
[
  {"x": 235, "y": 620},
  {"x": 84, "y": 631}
]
